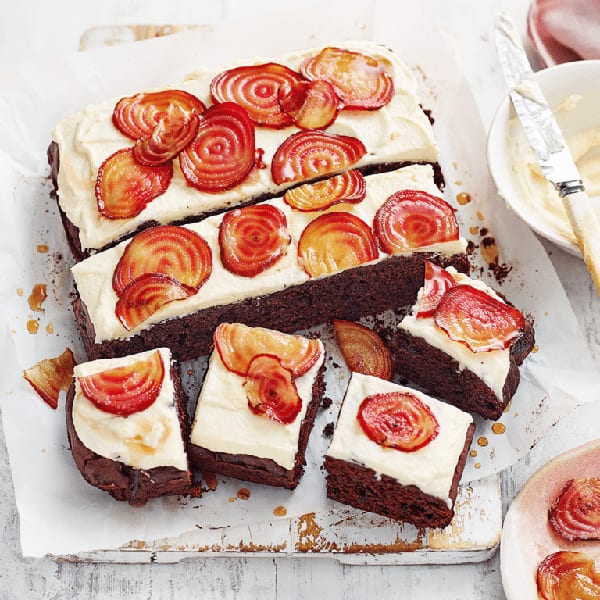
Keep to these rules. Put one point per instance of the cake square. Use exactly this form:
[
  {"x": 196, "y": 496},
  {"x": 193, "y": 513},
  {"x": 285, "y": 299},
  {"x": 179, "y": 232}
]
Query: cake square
[
  {"x": 127, "y": 426},
  {"x": 397, "y": 452},
  {"x": 233, "y": 437},
  {"x": 477, "y": 369}
]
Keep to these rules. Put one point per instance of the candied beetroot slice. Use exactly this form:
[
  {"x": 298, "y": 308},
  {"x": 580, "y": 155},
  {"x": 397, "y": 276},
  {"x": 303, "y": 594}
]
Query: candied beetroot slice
[
  {"x": 575, "y": 512},
  {"x": 437, "y": 282},
  {"x": 177, "y": 252},
  {"x": 125, "y": 390},
  {"x": 170, "y": 136},
  {"x": 348, "y": 187},
  {"x": 146, "y": 295},
  {"x": 478, "y": 320},
  {"x": 335, "y": 241},
  {"x": 313, "y": 153},
  {"x": 414, "y": 219},
  {"x": 223, "y": 152},
  {"x": 566, "y": 575},
  {"x": 137, "y": 116},
  {"x": 361, "y": 81},
  {"x": 257, "y": 89},
  {"x": 271, "y": 390},
  {"x": 311, "y": 104},
  {"x": 363, "y": 350},
  {"x": 238, "y": 344},
  {"x": 253, "y": 238},
  {"x": 397, "y": 420},
  {"x": 124, "y": 187},
  {"x": 51, "y": 375}
]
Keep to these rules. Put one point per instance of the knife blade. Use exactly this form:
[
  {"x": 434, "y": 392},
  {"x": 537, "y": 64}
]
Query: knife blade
[{"x": 548, "y": 143}]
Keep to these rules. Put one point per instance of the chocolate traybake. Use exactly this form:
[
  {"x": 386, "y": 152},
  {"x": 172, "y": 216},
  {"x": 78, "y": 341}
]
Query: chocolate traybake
[{"x": 397, "y": 452}]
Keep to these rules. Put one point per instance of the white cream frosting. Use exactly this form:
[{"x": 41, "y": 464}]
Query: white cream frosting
[
  {"x": 93, "y": 276},
  {"x": 399, "y": 131},
  {"x": 537, "y": 192},
  {"x": 143, "y": 440},
  {"x": 492, "y": 367},
  {"x": 430, "y": 468},
  {"x": 224, "y": 423}
]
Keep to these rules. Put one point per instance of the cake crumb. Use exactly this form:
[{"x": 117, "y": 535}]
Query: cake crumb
[
  {"x": 326, "y": 402},
  {"x": 328, "y": 430},
  {"x": 210, "y": 479}
]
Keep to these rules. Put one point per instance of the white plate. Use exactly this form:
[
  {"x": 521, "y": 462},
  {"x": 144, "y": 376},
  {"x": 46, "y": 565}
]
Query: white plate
[
  {"x": 527, "y": 538},
  {"x": 557, "y": 83}
]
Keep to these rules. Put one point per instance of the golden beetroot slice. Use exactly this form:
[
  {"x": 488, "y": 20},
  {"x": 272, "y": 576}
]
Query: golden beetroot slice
[
  {"x": 271, "y": 390},
  {"x": 125, "y": 390},
  {"x": 257, "y": 89},
  {"x": 311, "y": 104},
  {"x": 397, "y": 420},
  {"x": 145, "y": 295},
  {"x": 170, "y": 136},
  {"x": 414, "y": 219},
  {"x": 478, "y": 320},
  {"x": 177, "y": 252},
  {"x": 347, "y": 187},
  {"x": 437, "y": 282},
  {"x": 364, "y": 351},
  {"x": 575, "y": 512},
  {"x": 238, "y": 344},
  {"x": 137, "y": 116},
  {"x": 360, "y": 80},
  {"x": 566, "y": 575},
  {"x": 335, "y": 241},
  {"x": 313, "y": 153},
  {"x": 124, "y": 187},
  {"x": 51, "y": 375},
  {"x": 222, "y": 153},
  {"x": 252, "y": 239}
]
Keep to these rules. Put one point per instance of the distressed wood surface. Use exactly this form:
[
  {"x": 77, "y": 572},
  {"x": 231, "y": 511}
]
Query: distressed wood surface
[{"x": 37, "y": 29}]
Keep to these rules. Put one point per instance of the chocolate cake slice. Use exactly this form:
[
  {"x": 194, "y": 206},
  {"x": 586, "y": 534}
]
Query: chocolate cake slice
[
  {"x": 257, "y": 405},
  {"x": 270, "y": 265},
  {"x": 467, "y": 349},
  {"x": 126, "y": 425},
  {"x": 260, "y": 143},
  {"x": 397, "y": 452}
]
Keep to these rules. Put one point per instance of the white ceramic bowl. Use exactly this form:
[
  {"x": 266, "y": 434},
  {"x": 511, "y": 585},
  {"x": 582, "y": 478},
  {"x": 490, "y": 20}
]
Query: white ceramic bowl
[{"x": 557, "y": 83}]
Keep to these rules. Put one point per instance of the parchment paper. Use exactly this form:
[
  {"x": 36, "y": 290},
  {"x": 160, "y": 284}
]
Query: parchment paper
[{"x": 59, "y": 512}]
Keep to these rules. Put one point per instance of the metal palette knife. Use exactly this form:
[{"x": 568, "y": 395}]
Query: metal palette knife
[{"x": 548, "y": 143}]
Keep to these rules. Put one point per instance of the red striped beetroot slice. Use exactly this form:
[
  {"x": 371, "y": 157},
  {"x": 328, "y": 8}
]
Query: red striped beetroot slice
[
  {"x": 363, "y": 350},
  {"x": 335, "y": 241},
  {"x": 257, "y": 89},
  {"x": 252, "y": 239},
  {"x": 137, "y": 116},
  {"x": 222, "y": 153},
  {"x": 271, "y": 390},
  {"x": 313, "y": 153},
  {"x": 177, "y": 252},
  {"x": 478, "y": 320},
  {"x": 125, "y": 390},
  {"x": 397, "y": 420},
  {"x": 238, "y": 344},
  {"x": 414, "y": 219},
  {"x": 145, "y": 295},
  {"x": 347, "y": 187},
  {"x": 360, "y": 80},
  {"x": 437, "y": 282},
  {"x": 311, "y": 104},
  {"x": 170, "y": 136},
  {"x": 124, "y": 187},
  {"x": 575, "y": 512},
  {"x": 567, "y": 575}
]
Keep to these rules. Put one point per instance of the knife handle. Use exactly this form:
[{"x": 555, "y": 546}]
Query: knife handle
[{"x": 586, "y": 227}]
